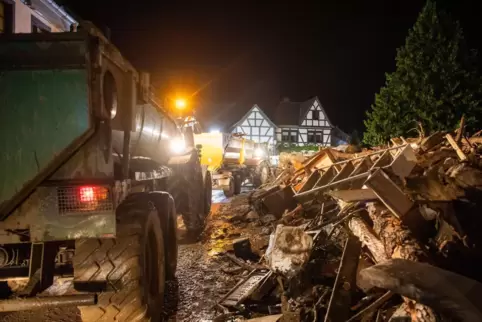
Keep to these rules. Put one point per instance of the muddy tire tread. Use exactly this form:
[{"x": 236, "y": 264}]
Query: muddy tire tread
[
  {"x": 257, "y": 174},
  {"x": 117, "y": 261},
  {"x": 186, "y": 186}
]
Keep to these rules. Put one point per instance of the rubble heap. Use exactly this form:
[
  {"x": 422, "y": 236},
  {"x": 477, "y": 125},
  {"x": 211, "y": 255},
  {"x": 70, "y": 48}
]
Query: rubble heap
[{"x": 371, "y": 236}]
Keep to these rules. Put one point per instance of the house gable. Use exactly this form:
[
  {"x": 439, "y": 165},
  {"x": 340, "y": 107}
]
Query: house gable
[
  {"x": 256, "y": 126},
  {"x": 313, "y": 127},
  {"x": 315, "y": 115}
]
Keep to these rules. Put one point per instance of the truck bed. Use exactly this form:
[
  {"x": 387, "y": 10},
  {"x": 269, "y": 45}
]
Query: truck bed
[{"x": 44, "y": 110}]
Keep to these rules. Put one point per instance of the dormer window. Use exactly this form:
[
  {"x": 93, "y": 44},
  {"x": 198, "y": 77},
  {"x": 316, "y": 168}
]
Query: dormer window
[{"x": 316, "y": 115}]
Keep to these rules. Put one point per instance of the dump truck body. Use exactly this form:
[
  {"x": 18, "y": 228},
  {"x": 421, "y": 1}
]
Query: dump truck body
[{"x": 84, "y": 148}]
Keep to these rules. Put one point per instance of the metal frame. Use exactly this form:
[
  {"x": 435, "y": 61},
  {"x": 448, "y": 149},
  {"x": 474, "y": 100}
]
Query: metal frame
[{"x": 336, "y": 175}]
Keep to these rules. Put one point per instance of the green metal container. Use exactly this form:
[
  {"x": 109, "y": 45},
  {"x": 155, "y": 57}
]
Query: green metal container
[{"x": 44, "y": 108}]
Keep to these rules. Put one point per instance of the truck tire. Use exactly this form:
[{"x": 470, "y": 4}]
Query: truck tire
[
  {"x": 167, "y": 209},
  {"x": 208, "y": 192},
  {"x": 187, "y": 188},
  {"x": 132, "y": 264},
  {"x": 261, "y": 174},
  {"x": 237, "y": 184},
  {"x": 229, "y": 191}
]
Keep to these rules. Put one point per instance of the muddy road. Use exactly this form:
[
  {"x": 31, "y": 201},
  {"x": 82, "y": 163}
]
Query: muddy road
[{"x": 204, "y": 275}]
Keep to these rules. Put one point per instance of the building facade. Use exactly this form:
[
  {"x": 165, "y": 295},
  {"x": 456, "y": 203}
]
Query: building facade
[
  {"x": 295, "y": 123},
  {"x": 256, "y": 126},
  {"x": 33, "y": 16},
  {"x": 303, "y": 123}
]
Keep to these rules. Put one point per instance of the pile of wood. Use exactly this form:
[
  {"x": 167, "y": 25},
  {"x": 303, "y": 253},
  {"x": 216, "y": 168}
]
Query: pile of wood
[{"x": 395, "y": 229}]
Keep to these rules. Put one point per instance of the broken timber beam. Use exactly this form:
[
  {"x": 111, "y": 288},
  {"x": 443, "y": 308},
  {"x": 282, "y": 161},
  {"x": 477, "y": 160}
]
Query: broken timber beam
[
  {"x": 331, "y": 185},
  {"x": 404, "y": 162},
  {"x": 345, "y": 283},
  {"x": 456, "y": 147},
  {"x": 354, "y": 195},
  {"x": 360, "y": 229},
  {"x": 460, "y": 131},
  {"x": 455, "y": 296},
  {"x": 389, "y": 193},
  {"x": 398, "y": 243}
]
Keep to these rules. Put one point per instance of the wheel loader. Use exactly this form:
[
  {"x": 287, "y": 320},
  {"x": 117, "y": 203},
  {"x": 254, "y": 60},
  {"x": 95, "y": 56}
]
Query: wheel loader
[
  {"x": 93, "y": 172},
  {"x": 233, "y": 160}
]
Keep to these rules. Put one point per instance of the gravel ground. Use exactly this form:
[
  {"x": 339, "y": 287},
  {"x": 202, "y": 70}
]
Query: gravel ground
[{"x": 200, "y": 281}]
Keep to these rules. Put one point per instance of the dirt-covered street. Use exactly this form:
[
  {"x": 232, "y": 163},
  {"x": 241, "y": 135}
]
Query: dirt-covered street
[{"x": 204, "y": 274}]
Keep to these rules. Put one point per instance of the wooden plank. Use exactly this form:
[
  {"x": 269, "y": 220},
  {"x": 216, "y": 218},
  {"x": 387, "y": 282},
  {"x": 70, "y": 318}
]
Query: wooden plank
[
  {"x": 327, "y": 177},
  {"x": 363, "y": 167},
  {"x": 432, "y": 141},
  {"x": 345, "y": 172},
  {"x": 354, "y": 195},
  {"x": 345, "y": 283},
  {"x": 310, "y": 182},
  {"x": 389, "y": 193},
  {"x": 456, "y": 147},
  {"x": 404, "y": 162},
  {"x": 384, "y": 160}
]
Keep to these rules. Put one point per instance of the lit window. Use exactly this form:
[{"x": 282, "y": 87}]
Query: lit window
[
  {"x": 315, "y": 136},
  {"x": 294, "y": 136},
  {"x": 289, "y": 136},
  {"x": 285, "y": 136}
]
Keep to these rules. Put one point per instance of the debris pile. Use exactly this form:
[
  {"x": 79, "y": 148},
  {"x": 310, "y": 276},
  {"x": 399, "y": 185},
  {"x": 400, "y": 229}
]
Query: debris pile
[{"x": 370, "y": 236}]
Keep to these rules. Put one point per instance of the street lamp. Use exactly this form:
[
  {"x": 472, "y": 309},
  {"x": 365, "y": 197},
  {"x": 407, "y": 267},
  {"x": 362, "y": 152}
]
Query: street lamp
[{"x": 180, "y": 103}]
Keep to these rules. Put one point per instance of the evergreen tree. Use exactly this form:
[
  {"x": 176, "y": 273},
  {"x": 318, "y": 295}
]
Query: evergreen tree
[{"x": 435, "y": 82}]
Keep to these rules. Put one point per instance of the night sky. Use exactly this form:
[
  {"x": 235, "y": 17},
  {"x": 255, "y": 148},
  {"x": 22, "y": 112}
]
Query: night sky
[{"x": 259, "y": 52}]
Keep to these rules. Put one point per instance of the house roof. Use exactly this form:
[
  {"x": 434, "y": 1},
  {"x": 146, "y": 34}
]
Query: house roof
[
  {"x": 223, "y": 115},
  {"x": 305, "y": 107},
  {"x": 287, "y": 112},
  {"x": 260, "y": 110},
  {"x": 293, "y": 113}
]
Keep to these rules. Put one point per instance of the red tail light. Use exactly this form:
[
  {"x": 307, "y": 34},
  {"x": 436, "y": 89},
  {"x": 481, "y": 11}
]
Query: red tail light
[
  {"x": 87, "y": 194},
  {"x": 92, "y": 193},
  {"x": 82, "y": 199}
]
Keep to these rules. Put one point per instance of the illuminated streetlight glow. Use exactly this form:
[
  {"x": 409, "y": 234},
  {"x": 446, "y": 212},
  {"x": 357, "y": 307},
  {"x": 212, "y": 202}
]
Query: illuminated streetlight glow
[{"x": 180, "y": 103}]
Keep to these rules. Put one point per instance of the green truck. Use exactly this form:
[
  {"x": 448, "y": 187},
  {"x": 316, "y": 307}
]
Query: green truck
[{"x": 93, "y": 173}]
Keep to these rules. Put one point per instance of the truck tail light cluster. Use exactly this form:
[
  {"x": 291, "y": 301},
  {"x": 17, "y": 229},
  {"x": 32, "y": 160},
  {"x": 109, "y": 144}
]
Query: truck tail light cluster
[
  {"x": 88, "y": 194},
  {"x": 84, "y": 199}
]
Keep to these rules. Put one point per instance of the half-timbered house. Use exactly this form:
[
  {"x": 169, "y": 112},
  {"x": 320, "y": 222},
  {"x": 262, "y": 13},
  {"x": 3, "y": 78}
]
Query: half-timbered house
[
  {"x": 304, "y": 123},
  {"x": 298, "y": 123},
  {"x": 256, "y": 126}
]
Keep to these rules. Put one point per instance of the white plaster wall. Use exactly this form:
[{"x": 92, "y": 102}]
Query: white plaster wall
[{"x": 23, "y": 20}]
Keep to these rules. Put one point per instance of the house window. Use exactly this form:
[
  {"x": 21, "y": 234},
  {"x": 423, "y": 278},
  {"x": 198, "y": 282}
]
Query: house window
[
  {"x": 316, "y": 115},
  {"x": 6, "y": 17},
  {"x": 315, "y": 136},
  {"x": 285, "y": 137},
  {"x": 294, "y": 136},
  {"x": 290, "y": 136},
  {"x": 38, "y": 26}
]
